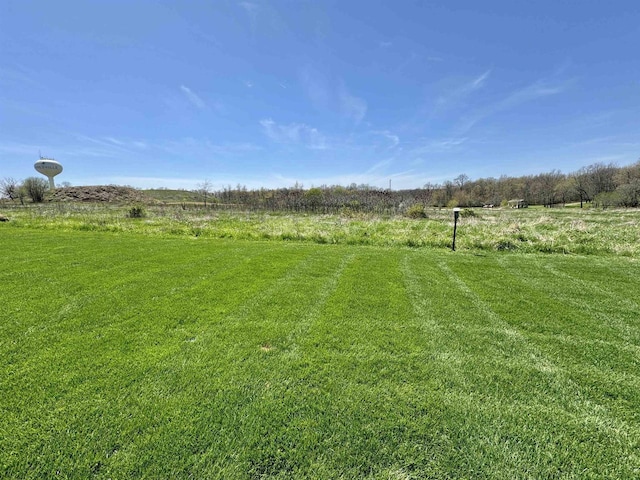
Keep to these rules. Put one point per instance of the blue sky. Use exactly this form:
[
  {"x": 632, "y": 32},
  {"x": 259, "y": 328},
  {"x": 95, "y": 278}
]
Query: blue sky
[{"x": 269, "y": 93}]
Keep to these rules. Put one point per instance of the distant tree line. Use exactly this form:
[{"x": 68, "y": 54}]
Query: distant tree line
[
  {"x": 33, "y": 188},
  {"x": 604, "y": 185}
]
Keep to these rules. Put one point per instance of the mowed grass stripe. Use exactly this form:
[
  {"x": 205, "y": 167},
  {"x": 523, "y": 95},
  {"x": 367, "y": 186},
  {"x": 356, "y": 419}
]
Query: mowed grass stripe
[
  {"x": 133, "y": 341},
  {"x": 114, "y": 301},
  {"x": 231, "y": 371},
  {"x": 247, "y": 359},
  {"x": 487, "y": 383},
  {"x": 285, "y": 424},
  {"x": 499, "y": 375},
  {"x": 261, "y": 355},
  {"x": 238, "y": 282},
  {"x": 598, "y": 346},
  {"x": 117, "y": 276},
  {"x": 362, "y": 359},
  {"x": 579, "y": 312},
  {"x": 582, "y": 396},
  {"x": 607, "y": 280},
  {"x": 596, "y": 311}
]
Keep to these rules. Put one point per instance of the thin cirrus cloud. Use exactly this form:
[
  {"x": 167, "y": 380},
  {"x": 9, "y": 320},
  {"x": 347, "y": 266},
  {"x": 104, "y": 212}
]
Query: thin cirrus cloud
[
  {"x": 192, "y": 97},
  {"x": 205, "y": 148},
  {"x": 437, "y": 146},
  {"x": 479, "y": 82},
  {"x": 184, "y": 147},
  {"x": 393, "y": 139},
  {"x": 127, "y": 143},
  {"x": 326, "y": 93},
  {"x": 539, "y": 89},
  {"x": 294, "y": 134},
  {"x": 351, "y": 107},
  {"x": 457, "y": 94},
  {"x": 252, "y": 10},
  {"x": 316, "y": 86},
  {"x": 107, "y": 146},
  {"x": 380, "y": 166}
]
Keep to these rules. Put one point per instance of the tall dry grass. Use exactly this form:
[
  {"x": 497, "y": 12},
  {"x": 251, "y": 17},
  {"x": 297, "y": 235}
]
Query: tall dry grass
[{"x": 568, "y": 231}]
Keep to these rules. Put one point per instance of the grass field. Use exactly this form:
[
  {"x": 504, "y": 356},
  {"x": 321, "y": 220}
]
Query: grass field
[
  {"x": 533, "y": 230},
  {"x": 154, "y": 356}
]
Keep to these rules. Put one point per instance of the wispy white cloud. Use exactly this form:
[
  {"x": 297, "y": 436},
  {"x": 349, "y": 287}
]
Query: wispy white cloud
[
  {"x": 457, "y": 94},
  {"x": 294, "y": 133},
  {"x": 479, "y": 82},
  {"x": 73, "y": 148},
  {"x": 351, "y": 107},
  {"x": 383, "y": 44},
  {"x": 205, "y": 34},
  {"x": 393, "y": 139},
  {"x": 192, "y": 97},
  {"x": 448, "y": 143},
  {"x": 11, "y": 148},
  {"x": 248, "y": 84},
  {"x": 327, "y": 93},
  {"x": 531, "y": 92},
  {"x": 114, "y": 140},
  {"x": 381, "y": 165},
  {"x": 127, "y": 143},
  {"x": 107, "y": 146},
  {"x": 427, "y": 147},
  {"x": 203, "y": 147},
  {"x": 316, "y": 85},
  {"x": 263, "y": 16},
  {"x": 252, "y": 10},
  {"x": 540, "y": 89}
]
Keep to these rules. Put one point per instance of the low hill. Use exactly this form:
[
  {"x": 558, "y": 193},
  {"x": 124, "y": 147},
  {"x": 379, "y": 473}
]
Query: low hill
[
  {"x": 167, "y": 195},
  {"x": 100, "y": 193}
]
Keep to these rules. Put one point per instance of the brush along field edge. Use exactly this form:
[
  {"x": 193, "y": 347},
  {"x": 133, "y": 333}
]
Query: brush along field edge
[
  {"x": 565, "y": 231},
  {"x": 137, "y": 356}
]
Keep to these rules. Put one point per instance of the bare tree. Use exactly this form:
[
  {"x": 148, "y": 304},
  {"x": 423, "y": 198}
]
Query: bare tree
[
  {"x": 461, "y": 180},
  {"x": 9, "y": 188},
  {"x": 204, "y": 189},
  {"x": 602, "y": 177},
  {"x": 580, "y": 183}
]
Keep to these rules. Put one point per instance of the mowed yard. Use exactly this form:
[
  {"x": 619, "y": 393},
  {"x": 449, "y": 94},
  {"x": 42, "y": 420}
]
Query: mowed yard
[{"x": 136, "y": 356}]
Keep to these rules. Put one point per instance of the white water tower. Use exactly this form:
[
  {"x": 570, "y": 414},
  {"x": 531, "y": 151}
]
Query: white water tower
[{"x": 49, "y": 168}]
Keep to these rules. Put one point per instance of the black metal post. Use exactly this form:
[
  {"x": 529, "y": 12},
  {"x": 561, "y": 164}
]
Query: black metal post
[{"x": 456, "y": 213}]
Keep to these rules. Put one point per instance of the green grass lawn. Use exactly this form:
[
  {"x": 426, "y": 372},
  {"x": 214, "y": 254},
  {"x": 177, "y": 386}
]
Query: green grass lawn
[{"x": 178, "y": 357}]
